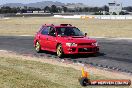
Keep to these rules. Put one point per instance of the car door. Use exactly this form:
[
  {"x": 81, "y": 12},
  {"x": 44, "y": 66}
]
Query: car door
[
  {"x": 43, "y": 38},
  {"x": 52, "y": 42}
]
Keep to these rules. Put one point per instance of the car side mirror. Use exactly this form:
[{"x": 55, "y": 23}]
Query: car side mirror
[{"x": 85, "y": 34}]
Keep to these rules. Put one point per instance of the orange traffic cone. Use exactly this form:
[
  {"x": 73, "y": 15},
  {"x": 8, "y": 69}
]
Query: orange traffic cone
[
  {"x": 84, "y": 80},
  {"x": 84, "y": 73}
]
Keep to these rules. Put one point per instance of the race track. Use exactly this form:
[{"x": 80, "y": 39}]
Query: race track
[{"x": 114, "y": 54}]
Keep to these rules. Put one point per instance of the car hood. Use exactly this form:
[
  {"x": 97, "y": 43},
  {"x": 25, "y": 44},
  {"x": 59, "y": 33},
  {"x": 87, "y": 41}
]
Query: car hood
[{"x": 77, "y": 39}]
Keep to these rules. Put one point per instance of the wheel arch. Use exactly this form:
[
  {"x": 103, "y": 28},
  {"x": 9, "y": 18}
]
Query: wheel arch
[
  {"x": 58, "y": 44},
  {"x": 35, "y": 41}
]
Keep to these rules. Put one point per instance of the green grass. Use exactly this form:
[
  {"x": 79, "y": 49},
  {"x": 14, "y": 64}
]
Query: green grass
[
  {"x": 23, "y": 74},
  {"x": 94, "y": 27},
  {"x": 15, "y": 73}
]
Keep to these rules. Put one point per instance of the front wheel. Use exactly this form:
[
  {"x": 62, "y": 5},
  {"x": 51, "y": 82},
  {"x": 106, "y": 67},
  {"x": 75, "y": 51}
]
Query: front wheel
[
  {"x": 38, "y": 47},
  {"x": 59, "y": 51}
]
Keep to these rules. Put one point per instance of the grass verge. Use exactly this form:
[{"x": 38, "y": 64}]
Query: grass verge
[{"x": 16, "y": 72}]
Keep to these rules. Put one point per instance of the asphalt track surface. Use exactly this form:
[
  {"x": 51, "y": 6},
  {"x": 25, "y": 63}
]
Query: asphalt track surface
[{"x": 114, "y": 54}]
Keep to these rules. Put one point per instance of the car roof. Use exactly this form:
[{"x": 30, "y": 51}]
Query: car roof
[{"x": 57, "y": 26}]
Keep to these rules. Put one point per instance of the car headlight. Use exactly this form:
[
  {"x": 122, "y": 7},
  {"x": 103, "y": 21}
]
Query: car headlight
[
  {"x": 71, "y": 44},
  {"x": 95, "y": 44}
]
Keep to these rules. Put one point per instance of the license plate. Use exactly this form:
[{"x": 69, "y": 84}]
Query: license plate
[{"x": 85, "y": 48}]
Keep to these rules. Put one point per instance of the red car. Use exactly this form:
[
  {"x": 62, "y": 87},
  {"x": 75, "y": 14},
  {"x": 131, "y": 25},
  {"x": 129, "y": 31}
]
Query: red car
[{"x": 64, "y": 39}]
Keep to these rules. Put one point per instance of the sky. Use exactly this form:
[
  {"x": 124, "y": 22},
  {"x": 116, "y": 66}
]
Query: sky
[{"x": 86, "y": 2}]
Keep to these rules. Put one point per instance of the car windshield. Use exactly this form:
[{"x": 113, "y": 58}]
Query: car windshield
[{"x": 69, "y": 31}]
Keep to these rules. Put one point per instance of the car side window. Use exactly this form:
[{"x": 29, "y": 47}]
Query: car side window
[
  {"x": 45, "y": 31},
  {"x": 52, "y": 31}
]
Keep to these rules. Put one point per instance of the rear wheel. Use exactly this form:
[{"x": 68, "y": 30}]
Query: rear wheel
[
  {"x": 59, "y": 51},
  {"x": 38, "y": 47}
]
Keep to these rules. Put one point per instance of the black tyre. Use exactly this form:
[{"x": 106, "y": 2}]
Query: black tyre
[
  {"x": 84, "y": 81},
  {"x": 59, "y": 51},
  {"x": 38, "y": 47}
]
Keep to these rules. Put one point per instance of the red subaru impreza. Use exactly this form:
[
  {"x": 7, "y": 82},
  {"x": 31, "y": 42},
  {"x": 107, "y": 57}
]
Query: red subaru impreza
[{"x": 64, "y": 39}]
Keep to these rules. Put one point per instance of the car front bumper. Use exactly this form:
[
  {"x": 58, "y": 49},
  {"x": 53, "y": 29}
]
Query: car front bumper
[{"x": 81, "y": 50}]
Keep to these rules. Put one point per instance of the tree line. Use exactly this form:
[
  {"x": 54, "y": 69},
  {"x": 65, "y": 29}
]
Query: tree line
[
  {"x": 55, "y": 9},
  {"x": 51, "y": 9}
]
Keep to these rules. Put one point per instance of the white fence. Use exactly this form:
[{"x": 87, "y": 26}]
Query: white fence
[{"x": 112, "y": 17}]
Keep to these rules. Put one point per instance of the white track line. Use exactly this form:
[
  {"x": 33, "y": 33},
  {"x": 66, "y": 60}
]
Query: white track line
[{"x": 25, "y": 35}]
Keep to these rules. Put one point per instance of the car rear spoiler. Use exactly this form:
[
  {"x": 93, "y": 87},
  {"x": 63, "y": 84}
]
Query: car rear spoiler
[{"x": 65, "y": 25}]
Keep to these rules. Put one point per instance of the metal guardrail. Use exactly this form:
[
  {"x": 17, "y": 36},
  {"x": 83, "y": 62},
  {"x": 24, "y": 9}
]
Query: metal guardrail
[{"x": 67, "y": 15}]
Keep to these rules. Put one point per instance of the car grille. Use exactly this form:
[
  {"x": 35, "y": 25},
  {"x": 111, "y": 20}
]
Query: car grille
[
  {"x": 87, "y": 50},
  {"x": 84, "y": 44}
]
